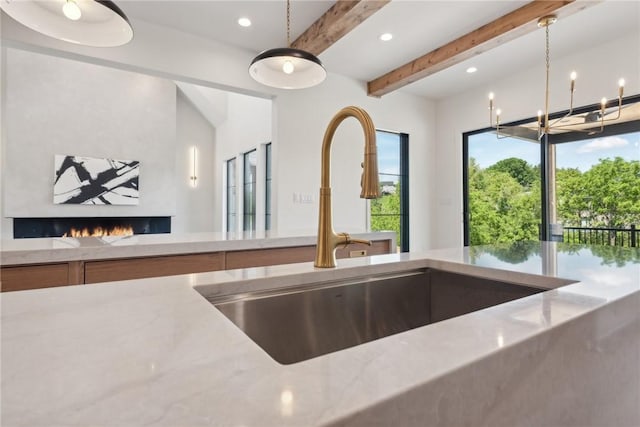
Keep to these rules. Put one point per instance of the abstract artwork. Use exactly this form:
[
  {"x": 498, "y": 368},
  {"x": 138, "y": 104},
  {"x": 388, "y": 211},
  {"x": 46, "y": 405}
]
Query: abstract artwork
[{"x": 90, "y": 181}]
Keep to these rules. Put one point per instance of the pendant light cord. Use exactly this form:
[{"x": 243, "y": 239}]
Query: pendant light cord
[{"x": 288, "y": 23}]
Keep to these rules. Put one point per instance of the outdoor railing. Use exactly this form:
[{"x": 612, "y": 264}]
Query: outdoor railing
[{"x": 629, "y": 237}]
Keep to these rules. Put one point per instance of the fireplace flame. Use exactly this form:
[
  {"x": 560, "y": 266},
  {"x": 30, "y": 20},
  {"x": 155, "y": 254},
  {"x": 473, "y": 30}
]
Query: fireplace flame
[{"x": 99, "y": 232}]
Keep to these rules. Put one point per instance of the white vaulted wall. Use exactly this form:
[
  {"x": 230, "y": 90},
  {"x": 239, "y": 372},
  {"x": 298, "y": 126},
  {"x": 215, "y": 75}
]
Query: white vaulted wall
[
  {"x": 53, "y": 105},
  {"x": 247, "y": 127},
  {"x": 196, "y": 207},
  {"x": 56, "y": 106}
]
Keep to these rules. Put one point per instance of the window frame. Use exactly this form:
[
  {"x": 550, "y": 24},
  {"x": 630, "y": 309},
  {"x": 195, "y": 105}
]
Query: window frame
[{"x": 545, "y": 143}]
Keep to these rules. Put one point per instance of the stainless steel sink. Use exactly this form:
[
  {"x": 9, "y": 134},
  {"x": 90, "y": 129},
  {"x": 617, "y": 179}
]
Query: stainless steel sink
[{"x": 297, "y": 324}]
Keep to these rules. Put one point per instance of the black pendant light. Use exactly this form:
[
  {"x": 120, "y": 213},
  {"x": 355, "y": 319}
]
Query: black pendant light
[
  {"x": 98, "y": 23},
  {"x": 286, "y": 67}
]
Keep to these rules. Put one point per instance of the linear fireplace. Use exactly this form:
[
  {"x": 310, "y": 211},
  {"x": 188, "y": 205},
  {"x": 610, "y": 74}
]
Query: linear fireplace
[{"x": 82, "y": 227}]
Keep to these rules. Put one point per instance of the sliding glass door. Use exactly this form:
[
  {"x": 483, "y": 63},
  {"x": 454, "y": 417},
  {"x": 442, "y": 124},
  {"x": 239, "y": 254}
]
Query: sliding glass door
[
  {"x": 502, "y": 187},
  {"x": 580, "y": 184}
]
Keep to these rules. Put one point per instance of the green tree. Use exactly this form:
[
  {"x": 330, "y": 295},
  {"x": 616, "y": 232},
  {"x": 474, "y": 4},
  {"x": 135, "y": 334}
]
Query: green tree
[
  {"x": 501, "y": 210},
  {"x": 572, "y": 201},
  {"x": 518, "y": 169},
  {"x": 613, "y": 189},
  {"x": 385, "y": 213}
]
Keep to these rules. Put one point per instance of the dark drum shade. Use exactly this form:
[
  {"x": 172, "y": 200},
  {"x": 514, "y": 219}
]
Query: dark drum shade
[{"x": 270, "y": 68}]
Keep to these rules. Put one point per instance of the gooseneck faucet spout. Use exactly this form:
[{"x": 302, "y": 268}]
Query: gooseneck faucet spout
[{"x": 328, "y": 240}]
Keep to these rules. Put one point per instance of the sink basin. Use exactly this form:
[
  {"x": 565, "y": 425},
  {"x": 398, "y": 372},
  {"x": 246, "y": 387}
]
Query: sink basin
[{"x": 300, "y": 323}]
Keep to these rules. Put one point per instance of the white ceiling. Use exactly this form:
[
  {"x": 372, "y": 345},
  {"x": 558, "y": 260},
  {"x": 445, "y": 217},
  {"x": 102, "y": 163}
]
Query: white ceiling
[{"x": 418, "y": 26}]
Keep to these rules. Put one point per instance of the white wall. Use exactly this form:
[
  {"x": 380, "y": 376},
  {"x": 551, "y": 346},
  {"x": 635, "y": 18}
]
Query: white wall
[
  {"x": 299, "y": 121},
  {"x": 56, "y": 106},
  {"x": 247, "y": 127},
  {"x": 520, "y": 96},
  {"x": 53, "y": 105},
  {"x": 197, "y": 208}
]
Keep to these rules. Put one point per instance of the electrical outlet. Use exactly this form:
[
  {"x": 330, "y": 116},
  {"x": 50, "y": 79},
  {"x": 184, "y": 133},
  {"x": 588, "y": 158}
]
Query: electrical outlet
[{"x": 358, "y": 253}]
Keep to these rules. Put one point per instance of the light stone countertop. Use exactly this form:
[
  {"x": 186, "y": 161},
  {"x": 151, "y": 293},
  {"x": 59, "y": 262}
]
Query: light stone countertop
[
  {"x": 155, "y": 352},
  {"x": 46, "y": 250}
]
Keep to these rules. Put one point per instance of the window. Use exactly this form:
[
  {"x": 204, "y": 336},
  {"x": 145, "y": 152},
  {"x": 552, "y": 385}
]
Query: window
[
  {"x": 267, "y": 187},
  {"x": 574, "y": 186},
  {"x": 503, "y": 189},
  {"x": 249, "y": 210},
  {"x": 390, "y": 212},
  {"x": 231, "y": 195},
  {"x": 596, "y": 186}
]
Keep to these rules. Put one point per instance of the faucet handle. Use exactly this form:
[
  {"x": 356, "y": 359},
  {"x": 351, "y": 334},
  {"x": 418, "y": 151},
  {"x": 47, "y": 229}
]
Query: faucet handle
[
  {"x": 365, "y": 242},
  {"x": 347, "y": 240}
]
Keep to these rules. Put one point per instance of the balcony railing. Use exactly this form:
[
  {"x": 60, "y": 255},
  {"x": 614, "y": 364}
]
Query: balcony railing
[{"x": 629, "y": 237}]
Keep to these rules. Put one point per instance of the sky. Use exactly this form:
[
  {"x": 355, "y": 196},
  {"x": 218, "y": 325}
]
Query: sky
[
  {"x": 388, "y": 145},
  {"x": 487, "y": 150}
]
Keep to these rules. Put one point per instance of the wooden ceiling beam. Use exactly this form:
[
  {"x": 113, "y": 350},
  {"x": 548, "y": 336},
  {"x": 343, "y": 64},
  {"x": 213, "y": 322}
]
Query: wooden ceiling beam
[
  {"x": 341, "y": 18},
  {"x": 506, "y": 28}
]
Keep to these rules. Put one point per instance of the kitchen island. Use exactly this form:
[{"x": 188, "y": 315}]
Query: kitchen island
[
  {"x": 156, "y": 352},
  {"x": 48, "y": 262}
]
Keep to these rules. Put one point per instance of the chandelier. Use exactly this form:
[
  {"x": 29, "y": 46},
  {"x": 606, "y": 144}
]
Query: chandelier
[{"x": 568, "y": 122}]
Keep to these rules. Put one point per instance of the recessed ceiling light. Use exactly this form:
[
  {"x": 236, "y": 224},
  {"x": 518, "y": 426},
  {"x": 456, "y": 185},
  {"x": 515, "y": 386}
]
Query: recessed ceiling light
[
  {"x": 471, "y": 70},
  {"x": 244, "y": 22},
  {"x": 386, "y": 37}
]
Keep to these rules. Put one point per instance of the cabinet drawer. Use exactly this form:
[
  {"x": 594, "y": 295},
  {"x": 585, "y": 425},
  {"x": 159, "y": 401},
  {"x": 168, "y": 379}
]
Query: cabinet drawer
[
  {"x": 139, "y": 268},
  {"x": 264, "y": 257},
  {"x": 20, "y": 278}
]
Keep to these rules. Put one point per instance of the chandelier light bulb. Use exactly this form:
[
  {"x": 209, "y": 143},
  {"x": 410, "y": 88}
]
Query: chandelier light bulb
[
  {"x": 71, "y": 10},
  {"x": 621, "y": 82},
  {"x": 573, "y": 75},
  {"x": 288, "y": 67},
  {"x": 603, "y": 101},
  {"x": 244, "y": 22},
  {"x": 498, "y": 112},
  {"x": 490, "y": 96}
]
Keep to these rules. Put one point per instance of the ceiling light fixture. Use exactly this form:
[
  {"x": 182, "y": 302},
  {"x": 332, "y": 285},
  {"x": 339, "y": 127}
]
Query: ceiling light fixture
[
  {"x": 286, "y": 67},
  {"x": 386, "y": 37},
  {"x": 98, "y": 23},
  {"x": 566, "y": 122},
  {"x": 471, "y": 70},
  {"x": 71, "y": 10},
  {"x": 244, "y": 22}
]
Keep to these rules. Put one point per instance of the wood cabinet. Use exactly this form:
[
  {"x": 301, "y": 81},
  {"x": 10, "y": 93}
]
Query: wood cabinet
[
  {"x": 140, "y": 268},
  {"x": 21, "y": 278},
  {"x": 274, "y": 256},
  {"x": 24, "y": 277}
]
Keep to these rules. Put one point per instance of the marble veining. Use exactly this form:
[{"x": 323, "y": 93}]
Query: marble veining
[{"x": 155, "y": 352}]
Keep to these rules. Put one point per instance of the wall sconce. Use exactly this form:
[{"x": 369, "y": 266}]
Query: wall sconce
[{"x": 194, "y": 162}]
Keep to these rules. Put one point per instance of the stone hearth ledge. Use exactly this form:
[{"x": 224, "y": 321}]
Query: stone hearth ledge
[
  {"x": 63, "y": 249},
  {"x": 155, "y": 352}
]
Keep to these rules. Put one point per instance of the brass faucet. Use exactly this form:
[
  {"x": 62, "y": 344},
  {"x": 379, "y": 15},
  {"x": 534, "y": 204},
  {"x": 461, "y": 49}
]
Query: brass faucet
[{"x": 328, "y": 240}]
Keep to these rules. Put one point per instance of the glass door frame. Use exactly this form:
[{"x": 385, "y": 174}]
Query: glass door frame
[{"x": 547, "y": 142}]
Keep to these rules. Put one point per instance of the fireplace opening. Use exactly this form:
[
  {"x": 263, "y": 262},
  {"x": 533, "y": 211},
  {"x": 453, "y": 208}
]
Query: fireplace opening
[{"x": 24, "y": 228}]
